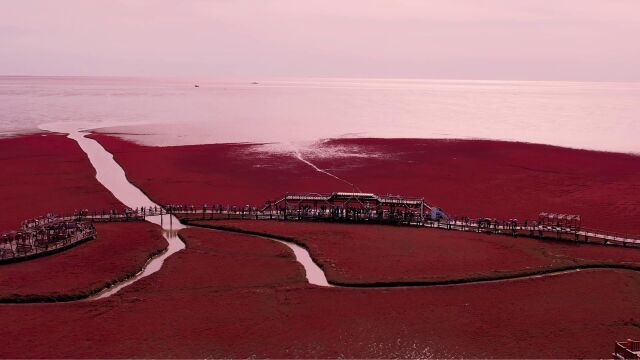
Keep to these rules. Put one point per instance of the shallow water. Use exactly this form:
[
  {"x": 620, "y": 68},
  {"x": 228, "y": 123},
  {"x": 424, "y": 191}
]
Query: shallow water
[
  {"x": 111, "y": 175},
  {"x": 314, "y": 273},
  {"x": 600, "y": 116}
]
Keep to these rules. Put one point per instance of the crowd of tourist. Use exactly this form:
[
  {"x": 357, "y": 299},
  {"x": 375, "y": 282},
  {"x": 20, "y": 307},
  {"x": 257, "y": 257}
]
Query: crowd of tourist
[{"x": 43, "y": 234}]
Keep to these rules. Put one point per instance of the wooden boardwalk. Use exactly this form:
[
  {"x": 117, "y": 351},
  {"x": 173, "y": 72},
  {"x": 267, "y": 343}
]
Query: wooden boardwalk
[
  {"x": 52, "y": 233},
  {"x": 43, "y": 236},
  {"x": 49, "y": 234},
  {"x": 506, "y": 228}
]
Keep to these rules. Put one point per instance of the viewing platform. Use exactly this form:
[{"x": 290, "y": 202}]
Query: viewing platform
[{"x": 44, "y": 235}]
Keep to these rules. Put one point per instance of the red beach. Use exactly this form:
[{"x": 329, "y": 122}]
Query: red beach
[{"x": 320, "y": 180}]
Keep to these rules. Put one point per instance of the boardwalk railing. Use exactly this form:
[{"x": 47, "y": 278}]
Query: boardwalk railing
[
  {"x": 512, "y": 227},
  {"x": 629, "y": 349},
  {"x": 531, "y": 229},
  {"x": 53, "y": 233},
  {"x": 44, "y": 235}
]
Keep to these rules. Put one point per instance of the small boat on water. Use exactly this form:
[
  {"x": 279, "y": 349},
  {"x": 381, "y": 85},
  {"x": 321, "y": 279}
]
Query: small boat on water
[{"x": 196, "y": 85}]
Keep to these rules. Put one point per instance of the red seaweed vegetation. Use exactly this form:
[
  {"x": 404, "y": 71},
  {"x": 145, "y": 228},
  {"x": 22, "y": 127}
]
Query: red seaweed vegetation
[
  {"x": 195, "y": 308},
  {"x": 235, "y": 295},
  {"x": 47, "y": 174},
  {"x": 363, "y": 253},
  {"x": 474, "y": 178},
  {"x": 480, "y": 178},
  {"x": 236, "y": 174},
  {"x": 120, "y": 251},
  {"x": 50, "y": 174}
]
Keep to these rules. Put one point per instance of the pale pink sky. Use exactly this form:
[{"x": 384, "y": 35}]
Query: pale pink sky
[{"x": 458, "y": 39}]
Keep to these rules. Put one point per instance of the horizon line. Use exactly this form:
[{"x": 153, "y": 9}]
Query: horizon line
[{"x": 282, "y": 78}]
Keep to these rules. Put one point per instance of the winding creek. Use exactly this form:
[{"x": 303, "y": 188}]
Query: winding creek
[{"x": 112, "y": 176}]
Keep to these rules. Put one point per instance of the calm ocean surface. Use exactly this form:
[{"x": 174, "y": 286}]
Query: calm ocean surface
[{"x": 601, "y": 116}]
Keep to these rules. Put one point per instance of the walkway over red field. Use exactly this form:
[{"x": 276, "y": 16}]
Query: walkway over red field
[
  {"x": 44, "y": 235},
  {"x": 356, "y": 200},
  {"x": 371, "y": 208}
]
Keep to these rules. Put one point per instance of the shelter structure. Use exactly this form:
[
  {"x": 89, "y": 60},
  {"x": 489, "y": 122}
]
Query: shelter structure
[
  {"x": 566, "y": 222},
  {"x": 356, "y": 206}
]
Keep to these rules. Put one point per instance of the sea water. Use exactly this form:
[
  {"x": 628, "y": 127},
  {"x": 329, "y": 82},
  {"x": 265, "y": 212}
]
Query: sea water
[{"x": 159, "y": 111}]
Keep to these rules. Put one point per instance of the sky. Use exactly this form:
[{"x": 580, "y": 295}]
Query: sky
[{"x": 582, "y": 40}]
